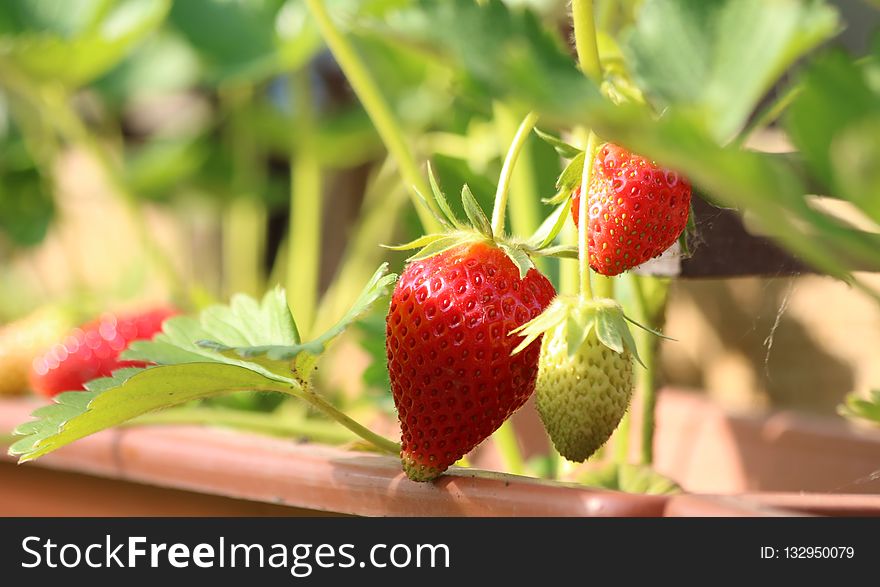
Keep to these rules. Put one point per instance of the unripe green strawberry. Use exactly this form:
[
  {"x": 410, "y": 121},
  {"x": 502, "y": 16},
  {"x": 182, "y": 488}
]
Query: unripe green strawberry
[
  {"x": 582, "y": 397},
  {"x": 585, "y": 373}
]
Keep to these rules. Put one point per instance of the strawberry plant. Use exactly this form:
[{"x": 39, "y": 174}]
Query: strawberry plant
[{"x": 635, "y": 109}]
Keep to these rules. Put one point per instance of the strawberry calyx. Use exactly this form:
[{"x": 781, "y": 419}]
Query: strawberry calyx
[
  {"x": 477, "y": 228},
  {"x": 580, "y": 316}
]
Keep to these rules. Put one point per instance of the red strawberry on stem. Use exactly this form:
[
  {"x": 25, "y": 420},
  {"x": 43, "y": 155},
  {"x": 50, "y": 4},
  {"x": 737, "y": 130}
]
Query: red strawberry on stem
[
  {"x": 637, "y": 209},
  {"x": 453, "y": 378},
  {"x": 92, "y": 351}
]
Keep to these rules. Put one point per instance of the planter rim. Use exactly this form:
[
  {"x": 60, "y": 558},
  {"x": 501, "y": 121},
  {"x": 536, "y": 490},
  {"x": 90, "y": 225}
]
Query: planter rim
[{"x": 317, "y": 477}]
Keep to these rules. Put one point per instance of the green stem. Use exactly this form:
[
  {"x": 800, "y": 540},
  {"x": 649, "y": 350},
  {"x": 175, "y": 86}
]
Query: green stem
[
  {"x": 525, "y": 189},
  {"x": 505, "y": 440},
  {"x": 604, "y": 286},
  {"x": 621, "y": 440},
  {"x": 304, "y": 234},
  {"x": 377, "y": 108},
  {"x": 501, "y": 194},
  {"x": 244, "y": 217},
  {"x": 272, "y": 424},
  {"x": 309, "y": 395},
  {"x": 649, "y": 385},
  {"x": 607, "y": 15},
  {"x": 585, "y": 288},
  {"x": 244, "y": 238},
  {"x": 69, "y": 124},
  {"x": 583, "y": 15},
  {"x": 382, "y": 205},
  {"x": 585, "y": 41},
  {"x": 569, "y": 273}
]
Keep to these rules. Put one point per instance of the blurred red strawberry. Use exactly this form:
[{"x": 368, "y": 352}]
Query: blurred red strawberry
[{"x": 92, "y": 351}]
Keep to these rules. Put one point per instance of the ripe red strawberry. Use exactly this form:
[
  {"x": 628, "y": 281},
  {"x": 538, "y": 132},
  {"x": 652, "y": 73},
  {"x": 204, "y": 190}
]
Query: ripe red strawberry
[
  {"x": 637, "y": 209},
  {"x": 92, "y": 351},
  {"x": 453, "y": 378}
]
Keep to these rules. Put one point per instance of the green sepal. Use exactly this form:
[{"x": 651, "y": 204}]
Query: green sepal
[
  {"x": 475, "y": 214},
  {"x": 422, "y": 241},
  {"x": 579, "y": 317},
  {"x": 519, "y": 257},
  {"x": 442, "y": 203},
  {"x": 608, "y": 332},
  {"x": 656, "y": 333},
  {"x": 571, "y": 176},
  {"x": 440, "y": 219},
  {"x": 562, "y": 148},
  {"x": 558, "y": 251},
  {"x": 560, "y": 197},
  {"x": 443, "y": 244},
  {"x": 550, "y": 228}
]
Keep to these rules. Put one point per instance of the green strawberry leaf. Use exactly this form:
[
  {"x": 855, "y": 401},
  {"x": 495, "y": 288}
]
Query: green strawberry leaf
[
  {"x": 250, "y": 348},
  {"x": 244, "y": 322},
  {"x": 276, "y": 356},
  {"x": 503, "y": 52},
  {"x": 53, "y": 45},
  {"x": 716, "y": 59},
  {"x": 126, "y": 396},
  {"x": 840, "y": 144},
  {"x": 856, "y": 406},
  {"x": 565, "y": 150}
]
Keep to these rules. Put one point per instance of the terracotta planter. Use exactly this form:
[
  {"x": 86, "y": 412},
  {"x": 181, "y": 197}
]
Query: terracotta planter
[{"x": 200, "y": 471}]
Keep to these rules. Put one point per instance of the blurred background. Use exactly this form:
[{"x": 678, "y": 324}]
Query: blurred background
[{"x": 153, "y": 150}]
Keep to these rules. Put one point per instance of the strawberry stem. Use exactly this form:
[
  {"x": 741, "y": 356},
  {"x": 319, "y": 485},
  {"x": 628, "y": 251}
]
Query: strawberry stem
[
  {"x": 649, "y": 384},
  {"x": 519, "y": 139},
  {"x": 244, "y": 215},
  {"x": 309, "y": 395},
  {"x": 621, "y": 440},
  {"x": 304, "y": 224},
  {"x": 583, "y": 15},
  {"x": 585, "y": 289},
  {"x": 377, "y": 108},
  {"x": 71, "y": 126},
  {"x": 524, "y": 203},
  {"x": 505, "y": 440}
]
